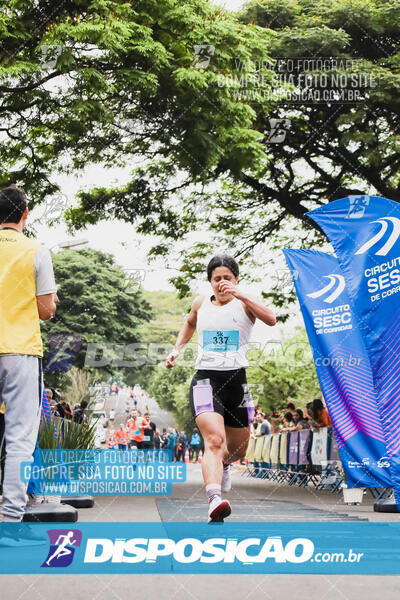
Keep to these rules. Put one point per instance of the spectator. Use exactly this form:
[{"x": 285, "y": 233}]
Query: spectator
[
  {"x": 60, "y": 410},
  {"x": 195, "y": 442},
  {"x": 157, "y": 440},
  {"x": 164, "y": 438},
  {"x": 321, "y": 416},
  {"x": 181, "y": 447},
  {"x": 79, "y": 412},
  {"x": 172, "y": 441},
  {"x": 56, "y": 396},
  {"x": 309, "y": 410},
  {"x": 299, "y": 421},
  {"x": 290, "y": 407},
  {"x": 290, "y": 424},
  {"x": 67, "y": 410},
  {"x": 263, "y": 426},
  {"x": 148, "y": 429}
]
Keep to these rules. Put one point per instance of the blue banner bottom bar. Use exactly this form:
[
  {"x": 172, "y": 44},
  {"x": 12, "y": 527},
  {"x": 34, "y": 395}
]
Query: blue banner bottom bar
[{"x": 217, "y": 548}]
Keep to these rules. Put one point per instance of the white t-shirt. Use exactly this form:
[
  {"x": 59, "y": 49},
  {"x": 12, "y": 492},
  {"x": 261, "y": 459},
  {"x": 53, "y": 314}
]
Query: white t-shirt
[{"x": 44, "y": 273}]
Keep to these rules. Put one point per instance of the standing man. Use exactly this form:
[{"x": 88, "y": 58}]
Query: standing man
[
  {"x": 263, "y": 425},
  {"x": 172, "y": 442},
  {"x": 181, "y": 447},
  {"x": 195, "y": 445},
  {"x": 79, "y": 412},
  {"x": 149, "y": 429},
  {"x": 27, "y": 295}
]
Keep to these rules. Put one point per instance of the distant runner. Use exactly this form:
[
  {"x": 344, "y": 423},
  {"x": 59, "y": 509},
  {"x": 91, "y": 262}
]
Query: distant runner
[{"x": 219, "y": 398}]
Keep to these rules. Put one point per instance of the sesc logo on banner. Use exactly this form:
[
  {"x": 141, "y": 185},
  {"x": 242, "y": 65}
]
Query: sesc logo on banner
[
  {"x": 334, "y": 318},
  {"x": 389, "y": 240},
  {"x": 333, "y": 279},
  {"x": 383, "y": 278}
]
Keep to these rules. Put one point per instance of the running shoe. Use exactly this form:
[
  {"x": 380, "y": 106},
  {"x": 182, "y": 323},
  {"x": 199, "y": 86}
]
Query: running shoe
[
  {"x": 218, "y": 510},
  {"x": 17, "y": 535},
  {"x": 226, "y": 482}
]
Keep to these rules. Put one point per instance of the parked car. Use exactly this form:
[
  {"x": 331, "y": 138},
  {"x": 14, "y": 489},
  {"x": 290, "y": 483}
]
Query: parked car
[
  {"x": 101, "y": 433},
  {"x": 101, "y": 417},
  {"x": 99, "y": 436}
]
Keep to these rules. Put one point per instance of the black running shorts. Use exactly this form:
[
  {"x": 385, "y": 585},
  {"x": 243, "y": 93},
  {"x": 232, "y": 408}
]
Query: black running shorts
[{"x": 228, "y": 393}]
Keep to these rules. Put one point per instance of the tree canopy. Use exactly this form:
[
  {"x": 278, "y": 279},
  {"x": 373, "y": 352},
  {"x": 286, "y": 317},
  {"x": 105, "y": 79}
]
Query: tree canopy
[
  {"x": 115, "y": 82},
  {"x": 183, "y": 93},
  {"x": 94, "y": 309}
]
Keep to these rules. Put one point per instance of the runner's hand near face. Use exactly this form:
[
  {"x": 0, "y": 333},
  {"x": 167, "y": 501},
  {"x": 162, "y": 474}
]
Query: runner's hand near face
[{"x": 227, "y": 287}]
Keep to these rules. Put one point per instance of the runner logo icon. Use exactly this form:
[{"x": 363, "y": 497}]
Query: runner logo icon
[
  {"x": 390, "y": 242},
  {"x": 62, "y": 547},
  {"x": 357, "y": 206},
  {"x": 334, "y": 279}
]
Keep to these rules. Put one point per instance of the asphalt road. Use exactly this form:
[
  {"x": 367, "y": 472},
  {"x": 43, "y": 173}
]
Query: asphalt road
[{"x": 160, "y": 417}]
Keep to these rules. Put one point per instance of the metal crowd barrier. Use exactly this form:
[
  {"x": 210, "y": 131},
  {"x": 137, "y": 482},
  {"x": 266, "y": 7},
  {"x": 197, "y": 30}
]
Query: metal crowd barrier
[{"x": 296, "y": 458}]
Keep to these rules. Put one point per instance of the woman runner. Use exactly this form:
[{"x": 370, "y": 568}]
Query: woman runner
[{"x": 219, "y": 405}]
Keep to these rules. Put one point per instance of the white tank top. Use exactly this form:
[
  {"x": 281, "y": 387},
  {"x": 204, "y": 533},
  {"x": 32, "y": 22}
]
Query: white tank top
[{"x": 223, "y": 336}]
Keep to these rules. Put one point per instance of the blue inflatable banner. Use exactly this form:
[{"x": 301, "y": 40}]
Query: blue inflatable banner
[
  {"x": 364, "y": 232},
  {"x": 342, "y": 366}
]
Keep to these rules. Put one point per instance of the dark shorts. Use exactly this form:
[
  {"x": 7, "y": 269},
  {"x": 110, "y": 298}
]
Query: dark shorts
[{"x": 228, "y": 395}]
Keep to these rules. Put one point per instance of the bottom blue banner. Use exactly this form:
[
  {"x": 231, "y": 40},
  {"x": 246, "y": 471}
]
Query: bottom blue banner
[{"x": 336, "y": 548}]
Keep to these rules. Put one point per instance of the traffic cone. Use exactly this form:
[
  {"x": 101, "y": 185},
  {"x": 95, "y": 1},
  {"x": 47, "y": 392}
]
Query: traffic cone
[
  {"x": 200, "y": 459},
  {"x": 187, "y": 455}
]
